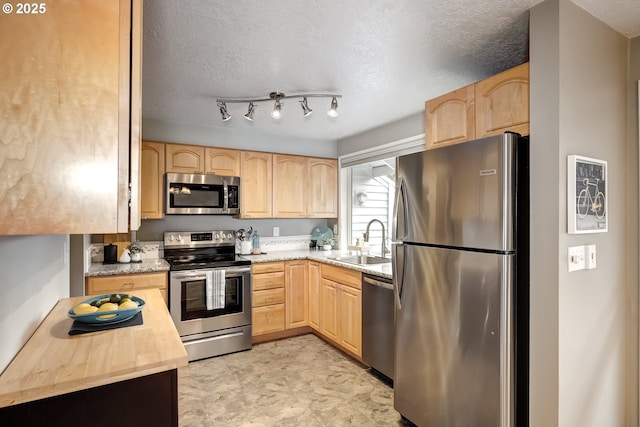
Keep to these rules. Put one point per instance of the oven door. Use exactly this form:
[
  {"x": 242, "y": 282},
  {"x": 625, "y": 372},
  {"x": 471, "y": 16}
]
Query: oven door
[{"x": 188, "y": 300}]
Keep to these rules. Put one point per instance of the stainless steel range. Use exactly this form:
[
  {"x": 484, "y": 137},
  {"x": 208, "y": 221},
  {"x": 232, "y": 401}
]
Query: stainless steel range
[{"x": 209, "y": 292}]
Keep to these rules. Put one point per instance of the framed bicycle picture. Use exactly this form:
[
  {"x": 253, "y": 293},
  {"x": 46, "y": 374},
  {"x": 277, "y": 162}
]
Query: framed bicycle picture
[{"x": 586, "y": 195}]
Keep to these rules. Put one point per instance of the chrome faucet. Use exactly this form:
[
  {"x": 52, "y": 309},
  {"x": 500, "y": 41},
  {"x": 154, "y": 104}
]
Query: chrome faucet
[{"x": 366, "y": 236}]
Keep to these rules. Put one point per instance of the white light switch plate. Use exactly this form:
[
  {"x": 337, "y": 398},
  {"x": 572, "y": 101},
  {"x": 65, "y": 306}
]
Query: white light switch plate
[{"x": 576, "y": 258}]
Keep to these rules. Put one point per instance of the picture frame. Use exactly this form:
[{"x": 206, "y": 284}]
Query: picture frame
[{"x": 587, "y": 206}]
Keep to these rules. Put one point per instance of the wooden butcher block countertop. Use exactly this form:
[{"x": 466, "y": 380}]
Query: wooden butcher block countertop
[{"x": 52, "y": 362}]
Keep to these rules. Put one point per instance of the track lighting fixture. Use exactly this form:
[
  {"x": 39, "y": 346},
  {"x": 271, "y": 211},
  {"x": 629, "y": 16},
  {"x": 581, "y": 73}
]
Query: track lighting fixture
[
  {"x": 305, "y": 107},
  {"x": 276, "y": 98},
  {"x": 249, "y": 115},
  {"x": 223, "y": 111},
  {"x": 333, "y": 111}
]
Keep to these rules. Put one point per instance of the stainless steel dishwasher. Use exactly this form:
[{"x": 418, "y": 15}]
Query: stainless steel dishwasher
[{"x": 378, "y": 325}]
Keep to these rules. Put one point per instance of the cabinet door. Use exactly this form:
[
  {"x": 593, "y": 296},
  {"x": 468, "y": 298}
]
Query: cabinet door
[
  {"x": 222, "y": 161},
  {"x": 329, "y": 309},
  {"x": 502, "y": 102},
  {"x": 289, "y": 186},
  {"x": 314, "y": 295},
  {"x": 322, "y": 188},
  {"x": 256, "y": 175},
  {"x": 184, "y": 158},
  {"x": 267, "y": 319},
  {"x": 350, "y": 319},
  {"x": 450, "y": 118},
  {"x": 152, "y": 180},
  {"x": 127, "y": 283},
  {"x": 296, "y": 294},
  {"x": 65, "y": 119}
]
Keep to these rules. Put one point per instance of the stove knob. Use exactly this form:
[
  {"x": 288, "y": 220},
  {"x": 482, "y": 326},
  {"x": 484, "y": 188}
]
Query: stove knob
[
  {"x": 171, "y": 237},
  {"x": 179, "y": 238},
  {"x": 230, "y": 236},
  {"x": 217, "y": 236}
]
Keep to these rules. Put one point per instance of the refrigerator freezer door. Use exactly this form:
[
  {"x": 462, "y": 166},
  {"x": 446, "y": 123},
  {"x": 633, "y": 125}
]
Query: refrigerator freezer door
[
  {"x": 461, "y": 196},
  {"x": 453, "y": 338}
]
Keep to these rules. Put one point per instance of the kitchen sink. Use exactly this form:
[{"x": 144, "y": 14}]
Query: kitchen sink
[{"x": 362, "y": 259}]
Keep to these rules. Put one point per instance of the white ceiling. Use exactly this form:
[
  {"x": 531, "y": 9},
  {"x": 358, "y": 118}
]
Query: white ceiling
[{"x": 386, "y": 57}]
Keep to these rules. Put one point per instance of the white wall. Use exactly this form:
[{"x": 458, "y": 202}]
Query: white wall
[
  {"x": 407, "y": 127},
  {"x": 35, "y": 275},
  {"x": 633, "y": 250},
  {"x": 578, "y": 320},
  {"x": 156, "y": 130}
]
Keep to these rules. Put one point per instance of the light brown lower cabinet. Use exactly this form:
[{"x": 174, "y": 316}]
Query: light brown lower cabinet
[
  {"x": 296, "y": 294},
  {"x": 314, "y": 295},
  {"x": 267, "y": 298},
  {"x": 127, "y": 283},
  {"x": 341, "y": 307},
  {"x": 296, "y": 285}
]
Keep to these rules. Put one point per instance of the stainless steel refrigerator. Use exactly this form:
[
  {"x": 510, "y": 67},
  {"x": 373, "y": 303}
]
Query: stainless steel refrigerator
[{"x": 461, "y": 283}]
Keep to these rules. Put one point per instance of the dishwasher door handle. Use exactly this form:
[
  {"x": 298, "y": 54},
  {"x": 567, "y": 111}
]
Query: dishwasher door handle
[{"x": 374, "y": 282}]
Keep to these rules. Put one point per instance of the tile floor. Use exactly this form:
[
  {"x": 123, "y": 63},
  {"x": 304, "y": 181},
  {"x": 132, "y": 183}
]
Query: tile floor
[{"x": 299, "y": 381}]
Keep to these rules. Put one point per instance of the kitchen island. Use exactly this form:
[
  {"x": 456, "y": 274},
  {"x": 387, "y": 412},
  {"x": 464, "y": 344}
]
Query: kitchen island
[{"x": 125, "y": 376}]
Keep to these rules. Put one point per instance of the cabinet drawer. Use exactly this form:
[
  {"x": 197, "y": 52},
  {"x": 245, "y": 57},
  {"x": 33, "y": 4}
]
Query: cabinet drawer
[
  {"x": 125, "y": 283},
  {"x": 267, "y": 319},
  {"x": 341, "y": 275},
  {"x": 267, "y": 267},
  {"x": 267, "y": 297},
  {"x": 268, "y": 281}
]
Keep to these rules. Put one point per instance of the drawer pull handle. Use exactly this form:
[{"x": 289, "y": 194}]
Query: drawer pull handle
[{"x": 127, "y": 285}]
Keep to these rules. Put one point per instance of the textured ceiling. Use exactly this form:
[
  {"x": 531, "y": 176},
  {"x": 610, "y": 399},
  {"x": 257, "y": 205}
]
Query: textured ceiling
[{"x": 386, "y": 57}]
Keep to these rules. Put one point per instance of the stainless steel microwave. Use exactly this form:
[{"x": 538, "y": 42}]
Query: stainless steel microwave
[{"x": 202, "y": 194}]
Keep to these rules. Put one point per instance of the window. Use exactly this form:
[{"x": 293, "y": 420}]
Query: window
[
  {"x": 372, "y": 197},
  {"x": 367, "y": 192}
]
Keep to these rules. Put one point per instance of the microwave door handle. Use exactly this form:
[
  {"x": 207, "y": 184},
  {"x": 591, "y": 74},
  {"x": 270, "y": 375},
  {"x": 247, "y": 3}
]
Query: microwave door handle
[{"x": 225, "y": 202}]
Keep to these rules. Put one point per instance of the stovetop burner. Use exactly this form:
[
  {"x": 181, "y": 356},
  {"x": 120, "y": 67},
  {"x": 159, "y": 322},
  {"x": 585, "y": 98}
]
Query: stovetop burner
[{"x": 197, "y": 250}]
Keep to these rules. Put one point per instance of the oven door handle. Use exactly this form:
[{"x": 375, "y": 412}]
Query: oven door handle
[{"x": 195, "y": 276}]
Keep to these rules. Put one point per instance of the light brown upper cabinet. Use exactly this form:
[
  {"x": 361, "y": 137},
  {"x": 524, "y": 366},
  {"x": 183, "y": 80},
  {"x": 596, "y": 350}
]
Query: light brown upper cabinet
[
  {"x": 152, "y": 180},
  {"x": 502, "y": 103},
  {"x": 450, "y": 118},
  {"x": 289, "y": 186},
  {"x": 256, "y": 177},
  {"x": 489, "y": 107},
  {"x": 322, "y": 188},
  {"x": 65, "y": 118},
  {"x": 222, "y": 161},
  {"x": 182, "y": 158}
]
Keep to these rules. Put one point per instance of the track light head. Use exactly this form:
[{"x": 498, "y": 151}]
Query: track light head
[
  {"x": 223, "y": 111},
  {"x": 249, "y": 115},
  {"x": 277, "y": 110},
  {"x": 305, "y": 107},
  {"x": 333, "y": 110}
]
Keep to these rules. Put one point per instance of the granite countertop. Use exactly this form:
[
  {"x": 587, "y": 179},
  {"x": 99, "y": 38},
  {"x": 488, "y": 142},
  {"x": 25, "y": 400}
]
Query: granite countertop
[
  {"x": 159, "y": 265},
  {"x": 382, "y": 270},
  {"x": 146, "y": 266}
]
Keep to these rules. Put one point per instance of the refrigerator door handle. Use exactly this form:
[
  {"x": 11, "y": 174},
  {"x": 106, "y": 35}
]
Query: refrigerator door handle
[
  {"x": 399, "y": 229},
  {"x": 398, "y": 274}
]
